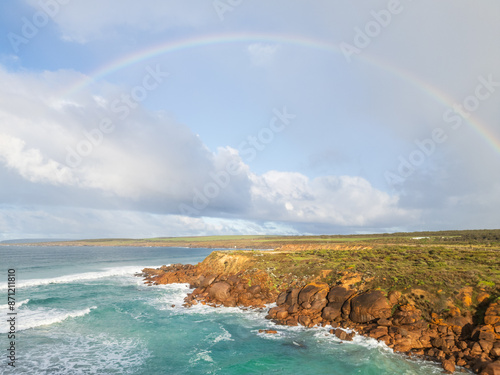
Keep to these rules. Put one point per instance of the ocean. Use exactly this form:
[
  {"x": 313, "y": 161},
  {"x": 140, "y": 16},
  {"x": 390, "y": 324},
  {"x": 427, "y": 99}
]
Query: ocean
[{"x": 81, "y": 310}]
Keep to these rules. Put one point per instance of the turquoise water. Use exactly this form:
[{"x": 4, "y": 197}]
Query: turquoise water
[{"x": 81, "y": 311}]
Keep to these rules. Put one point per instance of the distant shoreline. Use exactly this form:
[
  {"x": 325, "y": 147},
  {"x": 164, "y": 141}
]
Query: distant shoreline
[{"x": 273, "y": 242}]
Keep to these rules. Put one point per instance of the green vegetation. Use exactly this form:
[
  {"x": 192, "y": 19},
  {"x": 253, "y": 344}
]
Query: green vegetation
[{"x": 439, "y": 271}]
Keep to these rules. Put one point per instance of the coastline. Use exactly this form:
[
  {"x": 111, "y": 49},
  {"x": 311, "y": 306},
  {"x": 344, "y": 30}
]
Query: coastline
[{"x": 452, "y": 337}]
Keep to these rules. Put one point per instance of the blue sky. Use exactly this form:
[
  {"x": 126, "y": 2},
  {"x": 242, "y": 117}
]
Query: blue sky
[{"x": 320, "y": 117}]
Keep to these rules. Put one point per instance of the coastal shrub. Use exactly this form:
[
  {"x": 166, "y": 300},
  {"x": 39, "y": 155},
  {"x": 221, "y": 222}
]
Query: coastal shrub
[{"x": 486, "y": 284}]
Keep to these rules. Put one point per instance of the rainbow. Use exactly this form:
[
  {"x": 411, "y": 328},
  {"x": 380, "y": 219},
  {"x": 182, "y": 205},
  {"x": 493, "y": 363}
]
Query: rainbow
[{"x": 294, "y": 40}]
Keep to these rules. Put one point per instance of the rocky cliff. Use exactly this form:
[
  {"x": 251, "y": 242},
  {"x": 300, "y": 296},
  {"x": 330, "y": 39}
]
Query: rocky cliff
[{"x": 453, "y": 336}]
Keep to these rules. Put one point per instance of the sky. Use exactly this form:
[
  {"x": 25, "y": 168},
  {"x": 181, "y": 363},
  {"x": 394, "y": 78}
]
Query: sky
[{"x": 121, "y": 118}]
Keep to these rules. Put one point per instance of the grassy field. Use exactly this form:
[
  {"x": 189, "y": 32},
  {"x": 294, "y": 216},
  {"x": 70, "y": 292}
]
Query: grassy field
[{"x": 446, "y": 238}]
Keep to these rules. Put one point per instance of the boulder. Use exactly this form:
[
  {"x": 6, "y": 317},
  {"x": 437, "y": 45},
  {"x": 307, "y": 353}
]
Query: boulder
[
  {"x": 240, "y": 287},
  {"x": 482, "y": 297},
  {"x": 378, "y": 332},
  {"x": 319, "y": 304},
  {"x": 219, "y": 291},
  {"x": 458, "y": 321},
  {"x": 271, "y": 314},
  {"x": 476, "y": 350},
  {"x": 487, "y": 346},
  {"x": 233, "y": 280},
  {"x": 282, "y": 314},
  {"x": 343, "y": 335},
  {"x": 406, "y": 314},
  {"x": 206, "y": 280},
  {"x": 492, "y": 315},
  {"x": 448, "y": 366},
  {"x": 394, "y": 297},
  {"x": 330, "y": 313},
  {"x": 197, "y": 291},
  {"x": 465, "y": 296},
  {"x": 495, "y": 352},
  {"x": 339, "y": 294},
  {"x": 231, "y": 302},
  {"x": 369, "y": 306},
  {"x": 268, "y": 331},
  {"x": 492, "y": 369},
  {"x": 256, "y": 289},
  {"x": 281, "y": 298},
  {"x": 293, "y": 309},
  {"x": 292, "y": 296},
  {"x": 408, "y": 340},
  {"x": 312, "y": 292},
  {"x": 304, "y": 320},
  {"x": 487, "y": 333},
  {"x": 346, "y": 308},
  {"x": 384, "y": 322}
]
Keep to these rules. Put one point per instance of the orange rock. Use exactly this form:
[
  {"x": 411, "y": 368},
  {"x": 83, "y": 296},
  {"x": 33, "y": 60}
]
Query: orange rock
[
  {"x": 313, "y": 292},
  {"x": 350, "y": 279},
  {"x": 268, "y": 331},
  {"x": 483, "y": 296},
  {"x": 378, "y": 332},
  {"x": 304, "y": 320},
  {"x": 465, "y": 295},
  {"x": 343, "y": 335},
  {"x": 387, "y": 339},
  {"x": 476, "y": 350},
  {"x": 406, "y": 314},
  {"x": 283, "y": 314},
  {"x": 394, "y": 297},
  {"x": 369, "y": 306},
  {"x": 492, "y": 369},
  {"x": 492, "y": 315},
  {"x": 448, "y": 366},
  {"x": 461, "y": 362},
  {"x": 219, "y": 291},
  {"x": 487, "y": 346}
]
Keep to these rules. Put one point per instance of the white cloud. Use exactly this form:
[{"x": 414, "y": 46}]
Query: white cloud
[
  {"x": 152, "y": 164},
  {"x": 79, "y": 223},
  {"x": 30, "y": 163},
  {"x": 262, "y": 54},
  {"x": 85, "y": 20},
  {"x": 43, "y": 135},
  {"x": 336, "y": 200}
]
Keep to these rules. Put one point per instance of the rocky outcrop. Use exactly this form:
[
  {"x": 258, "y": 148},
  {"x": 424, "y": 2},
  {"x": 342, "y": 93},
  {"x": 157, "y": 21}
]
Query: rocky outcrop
[
  {"x": 452, "y": 338},
  {"x": 213, "y": 289},
  {"x": 175, "y": 273}
]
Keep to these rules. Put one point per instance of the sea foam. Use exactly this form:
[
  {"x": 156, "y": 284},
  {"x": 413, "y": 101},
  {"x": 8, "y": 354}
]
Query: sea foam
[
  {"x": 44, "y": 316},
  {"x": 78, "y": 277}
]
